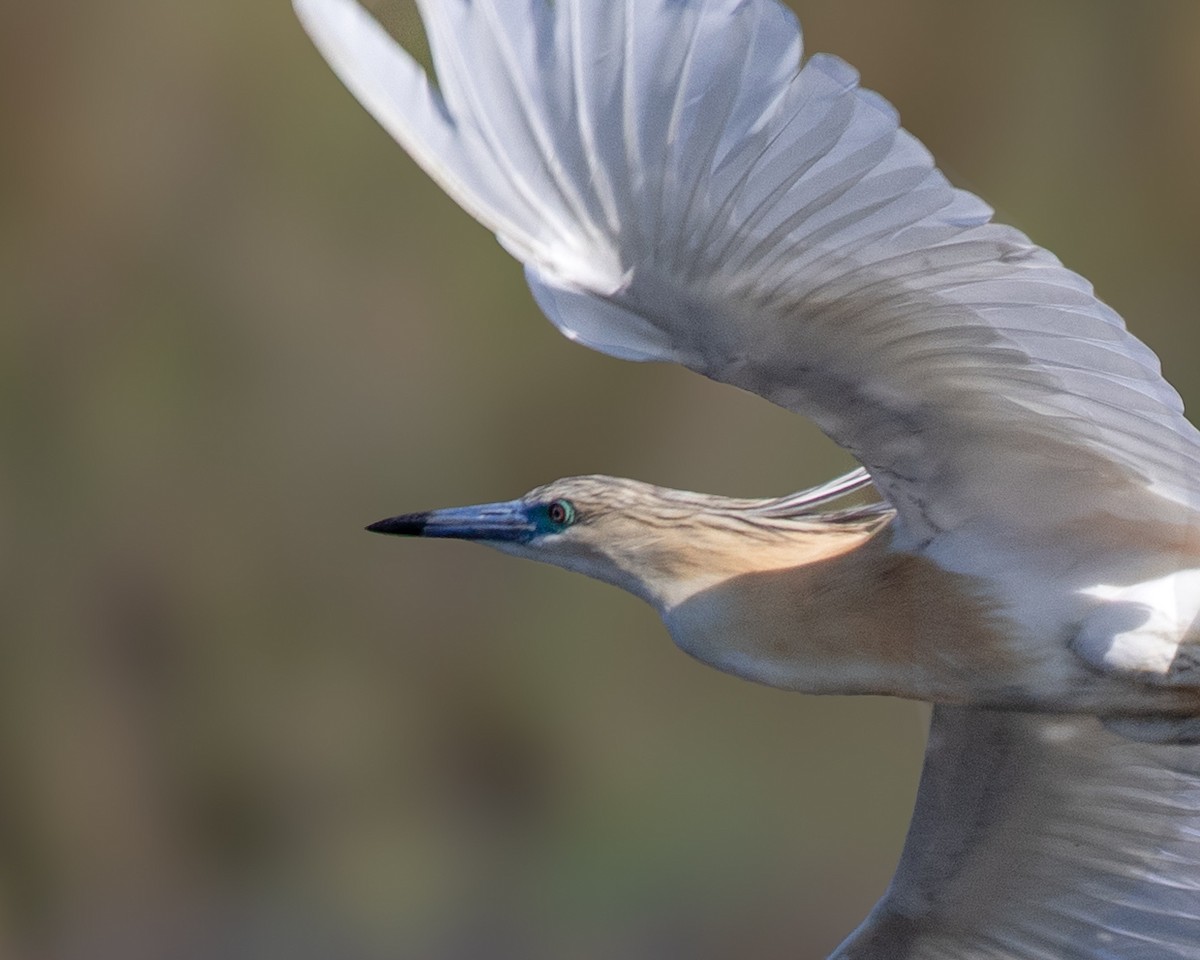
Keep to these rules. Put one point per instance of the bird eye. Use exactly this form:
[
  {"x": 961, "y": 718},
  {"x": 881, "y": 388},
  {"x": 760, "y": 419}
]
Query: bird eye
[{"x": 561, "y": 513}]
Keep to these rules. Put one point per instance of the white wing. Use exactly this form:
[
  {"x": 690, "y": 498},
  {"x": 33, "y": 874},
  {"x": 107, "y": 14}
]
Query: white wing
[
  {"x": 680, "y": 190},
  {"x": 1043, "y": 838}
]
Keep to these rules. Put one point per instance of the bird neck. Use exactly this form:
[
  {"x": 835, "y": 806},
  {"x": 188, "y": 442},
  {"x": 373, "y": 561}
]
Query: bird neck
[
  {"x": 841, "y": 612},
  {"x": 715, "y": 549}
]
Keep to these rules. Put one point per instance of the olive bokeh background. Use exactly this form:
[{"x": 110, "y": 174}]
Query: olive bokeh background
[{"x": 239, "y": 324}]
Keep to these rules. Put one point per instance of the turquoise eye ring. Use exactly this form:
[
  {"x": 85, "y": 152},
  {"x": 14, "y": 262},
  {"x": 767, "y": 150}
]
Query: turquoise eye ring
[{"x": 561, "y": 513}]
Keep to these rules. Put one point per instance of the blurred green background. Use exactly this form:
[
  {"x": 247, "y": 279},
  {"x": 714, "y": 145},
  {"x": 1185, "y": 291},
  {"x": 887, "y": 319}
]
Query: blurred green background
[{"x": 239, "y": 324}]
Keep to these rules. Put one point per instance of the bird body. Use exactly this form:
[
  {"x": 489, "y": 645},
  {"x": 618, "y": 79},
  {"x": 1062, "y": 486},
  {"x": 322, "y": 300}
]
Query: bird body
[
  {"x": 871, "y": 618},
  {"x": 679, "y": 187}
]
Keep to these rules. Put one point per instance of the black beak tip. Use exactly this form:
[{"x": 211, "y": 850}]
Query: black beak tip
[{"x": 408, "y": 525}]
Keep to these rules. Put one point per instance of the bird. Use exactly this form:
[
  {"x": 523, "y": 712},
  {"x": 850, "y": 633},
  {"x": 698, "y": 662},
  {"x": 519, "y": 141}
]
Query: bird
[{"x": 681, "y": 184}]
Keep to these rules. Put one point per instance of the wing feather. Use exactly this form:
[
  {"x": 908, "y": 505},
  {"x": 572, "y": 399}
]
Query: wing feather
[
  {"x": 1043, "y": 837},
  {"x": 680, "y": 189}
]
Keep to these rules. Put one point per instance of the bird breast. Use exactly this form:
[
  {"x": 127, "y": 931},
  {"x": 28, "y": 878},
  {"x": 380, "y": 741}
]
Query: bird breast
[{"x": 863, "y": 619}]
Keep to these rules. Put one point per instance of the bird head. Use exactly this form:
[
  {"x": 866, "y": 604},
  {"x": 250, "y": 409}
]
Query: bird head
[{"x": 660, "y": 544}]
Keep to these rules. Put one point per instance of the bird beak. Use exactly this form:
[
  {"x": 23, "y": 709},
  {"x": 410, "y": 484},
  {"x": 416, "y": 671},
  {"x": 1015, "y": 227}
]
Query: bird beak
[{"x": 503, "y": 522}]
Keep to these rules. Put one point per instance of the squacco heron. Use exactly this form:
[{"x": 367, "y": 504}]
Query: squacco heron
[{"x": 680, "y": 188}]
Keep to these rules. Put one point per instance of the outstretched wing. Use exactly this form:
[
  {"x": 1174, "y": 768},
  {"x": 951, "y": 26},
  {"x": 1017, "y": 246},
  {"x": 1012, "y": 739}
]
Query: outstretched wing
[
  {"x": 679, "y": 189},
  {"x": 1043, "y": 838}
]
